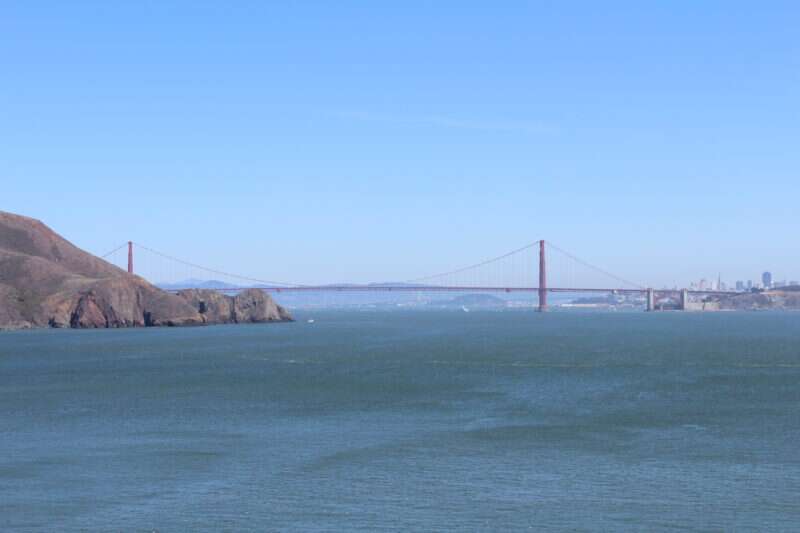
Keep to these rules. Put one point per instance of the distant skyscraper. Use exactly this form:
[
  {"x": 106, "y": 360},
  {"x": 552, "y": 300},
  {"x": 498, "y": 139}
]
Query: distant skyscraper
[
  {"x": 740, "y": 285},
  {"x": 766, "y": 279}
]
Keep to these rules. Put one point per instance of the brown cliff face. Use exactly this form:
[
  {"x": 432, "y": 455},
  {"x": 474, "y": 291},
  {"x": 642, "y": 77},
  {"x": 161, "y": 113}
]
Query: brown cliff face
[
  {"x": 250, "y": 306},
  {"x": 47, "y": 281}
]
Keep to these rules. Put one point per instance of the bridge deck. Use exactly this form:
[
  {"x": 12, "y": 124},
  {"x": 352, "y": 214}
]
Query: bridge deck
[{"x": 430, "y": 288}]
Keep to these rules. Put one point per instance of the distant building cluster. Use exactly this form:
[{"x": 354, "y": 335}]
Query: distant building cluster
[
  {"x": 767, "y": 282},
  {"x": 708, "y": 285}
]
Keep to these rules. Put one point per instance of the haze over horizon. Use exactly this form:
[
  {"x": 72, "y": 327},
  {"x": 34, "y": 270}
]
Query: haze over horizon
[{"x": 361, "y": 143}]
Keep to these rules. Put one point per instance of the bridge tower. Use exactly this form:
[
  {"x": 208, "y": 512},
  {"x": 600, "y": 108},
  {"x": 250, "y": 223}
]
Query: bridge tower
[
  {"x": 542, "y": 278},
  {"x": 130, "y": 257},
  {"x": 651, "y": 300}
]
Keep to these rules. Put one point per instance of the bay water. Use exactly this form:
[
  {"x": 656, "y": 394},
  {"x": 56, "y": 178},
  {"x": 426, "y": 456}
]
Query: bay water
[{"x": 407, "y": 421}]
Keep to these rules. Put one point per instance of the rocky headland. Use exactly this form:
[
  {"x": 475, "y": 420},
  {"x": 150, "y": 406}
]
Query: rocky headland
[
  {"x": 46, "y": 281},
  {"x": 787, "y": 298}
]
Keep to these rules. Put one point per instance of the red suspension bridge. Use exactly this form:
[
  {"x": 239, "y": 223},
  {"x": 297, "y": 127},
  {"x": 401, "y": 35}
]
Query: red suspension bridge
[{"x": 540, "y": 268}]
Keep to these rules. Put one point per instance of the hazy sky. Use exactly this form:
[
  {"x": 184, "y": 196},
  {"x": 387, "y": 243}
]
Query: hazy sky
[{"x": 328, "y": 141}]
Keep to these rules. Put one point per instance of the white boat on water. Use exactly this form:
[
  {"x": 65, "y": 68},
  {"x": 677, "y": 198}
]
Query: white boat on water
[{"x": 464, "y": 308}]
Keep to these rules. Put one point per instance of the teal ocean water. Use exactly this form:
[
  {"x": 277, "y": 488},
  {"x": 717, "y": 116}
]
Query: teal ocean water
[{"x": 407, "y": 421}]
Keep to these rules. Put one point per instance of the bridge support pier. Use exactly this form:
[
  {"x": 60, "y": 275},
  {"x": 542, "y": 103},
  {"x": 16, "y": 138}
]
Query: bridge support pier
[
  {"x": 651, "y": 300},
  {"x": 683, "y": 304},
  {"x": 542, "y": 278}
]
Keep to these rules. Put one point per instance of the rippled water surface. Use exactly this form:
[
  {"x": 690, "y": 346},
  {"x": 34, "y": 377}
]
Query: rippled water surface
[{"x": 428, "y": 421}]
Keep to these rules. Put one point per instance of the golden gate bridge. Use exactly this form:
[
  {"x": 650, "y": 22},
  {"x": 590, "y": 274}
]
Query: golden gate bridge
[{"x": 540, "y": 268}]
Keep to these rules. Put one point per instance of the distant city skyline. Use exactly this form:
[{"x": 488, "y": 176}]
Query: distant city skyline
[
  {"x": 766, "y": 282},
  {"x": 354, "y": 142}
]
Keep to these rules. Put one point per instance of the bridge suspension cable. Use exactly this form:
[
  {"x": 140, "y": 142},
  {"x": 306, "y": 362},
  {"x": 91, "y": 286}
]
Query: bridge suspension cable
[
  {"x": 214, "y": 271},
  {"x": 595, "y": 268},
  {"x": 473, "y": 266},
  {"x": 115, "y": 250}
]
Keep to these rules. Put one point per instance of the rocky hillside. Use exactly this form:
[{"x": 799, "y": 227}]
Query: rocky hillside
[
  {"x": 252, "y": 305},
  {"x": 47, "y": 281},
  {"x": 776, "y": 299}
]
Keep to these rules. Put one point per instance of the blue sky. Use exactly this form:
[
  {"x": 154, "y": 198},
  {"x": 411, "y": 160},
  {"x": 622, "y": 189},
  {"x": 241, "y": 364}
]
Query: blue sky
[{"x": 329, "y": 141}]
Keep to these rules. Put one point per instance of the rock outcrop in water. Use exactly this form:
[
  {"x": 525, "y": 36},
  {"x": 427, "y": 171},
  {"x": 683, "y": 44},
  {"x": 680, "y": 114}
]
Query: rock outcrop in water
[
  {"x": 47, "y": 281},
  {"x": 251, "y": 305}
]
